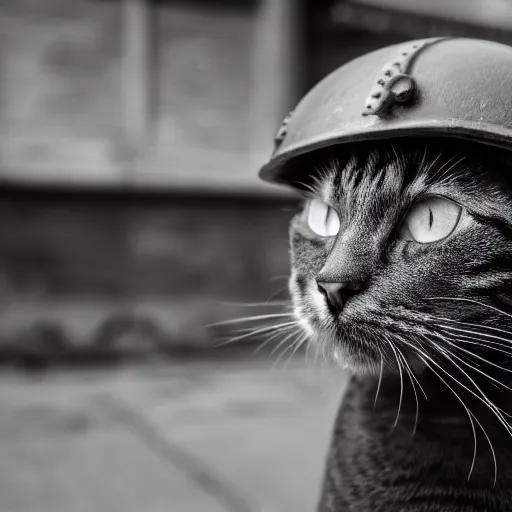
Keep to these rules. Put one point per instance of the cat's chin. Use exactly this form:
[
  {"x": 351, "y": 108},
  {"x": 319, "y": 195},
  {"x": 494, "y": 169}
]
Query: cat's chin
[
  {"x": 342, "y": 351},
  {"x": 358, "y": 364},
  {"x": 364, "y": 364}
]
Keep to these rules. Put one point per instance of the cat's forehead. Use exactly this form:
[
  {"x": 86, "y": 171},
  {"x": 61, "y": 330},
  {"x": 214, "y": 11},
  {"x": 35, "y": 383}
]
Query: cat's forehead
[
  {"x": 368, "y": 178},
  {"x": 379, "y": 179},
  {"x": 324, "y": 186}
]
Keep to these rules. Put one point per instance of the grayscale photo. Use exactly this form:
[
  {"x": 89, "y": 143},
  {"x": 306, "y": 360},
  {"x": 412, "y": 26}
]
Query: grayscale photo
[{"x": 256, "y": 256}]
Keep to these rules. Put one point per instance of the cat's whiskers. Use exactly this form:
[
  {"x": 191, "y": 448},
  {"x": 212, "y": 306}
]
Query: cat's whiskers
[
  {"x": 273, "y": 337},
  {"x": 308, "y": 347},
  {"x": 426, "y": 359},
  {"x": 482, "y": 396},
  {"x": 292, "y": 346},
  {"x": 261, "y": 330},
  {"x": 284, "y": 341},
  {"x": 324, "y": 347},
  {"x": 496, "y": 410},
  {"x": 278, "y": 291},
  {"x": 247, "y": 319},
  {"x": 296, "y": 346},
  {"x": 478, "y": 337},
  {"x": 482, "y": 342},
  {"x": 472, "y": 419},
  {"x": 446, "y": 168},
  {"x": 488, "y": 345},
  {"x": 508, "y": 342},
  {"x": 380, "y": 379},
  {"x": 390, "y": 343},
  {"x": 470, "y": 324},
  {"x": 278, "y": 277},
  {"x": 318, "y": 181},
  {"x": 415, "y": 378},
  {"x": 432, "y": 163},
  {"x": 492, "y": 379},
  {"x": 269, "y": 303},
  {"x": 410, "y": 373},
  {"x": 446, "y": 339},
  {"x": 473, "y": 301},
  {"x": 412, "y": 377}
]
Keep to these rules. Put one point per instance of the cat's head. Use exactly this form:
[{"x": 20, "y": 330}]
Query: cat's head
[{"x": 403, "y": 253}]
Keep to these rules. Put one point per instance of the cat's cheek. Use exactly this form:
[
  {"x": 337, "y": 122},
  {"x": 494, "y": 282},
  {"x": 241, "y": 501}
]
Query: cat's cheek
[
  {"x": 309, "y": 308},
  {"x": 306, "y": 258},
  {"x": 306, "y": 327},
  {"x": 411, "y": 252},
  {"x": 318, "y": 301},
  {"x": 297, "y": 285}
]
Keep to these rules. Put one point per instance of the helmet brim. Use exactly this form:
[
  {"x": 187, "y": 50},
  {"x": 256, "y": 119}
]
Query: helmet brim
[{"x": 275, "y": 171}]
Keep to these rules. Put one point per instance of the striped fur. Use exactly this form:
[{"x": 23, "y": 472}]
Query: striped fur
[{"x": 431, "y": 333}]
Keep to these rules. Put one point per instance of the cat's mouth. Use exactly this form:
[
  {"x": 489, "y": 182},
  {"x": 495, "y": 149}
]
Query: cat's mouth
[
  {"x": 335, "y": 335},
  {"x": 360, "y": 338}
]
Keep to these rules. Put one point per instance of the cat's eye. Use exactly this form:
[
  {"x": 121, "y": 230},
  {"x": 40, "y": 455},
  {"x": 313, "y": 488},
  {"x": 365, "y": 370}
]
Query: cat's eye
[
  {"x": 431, "y": 219},
  {"x": 322, "y": 219}
]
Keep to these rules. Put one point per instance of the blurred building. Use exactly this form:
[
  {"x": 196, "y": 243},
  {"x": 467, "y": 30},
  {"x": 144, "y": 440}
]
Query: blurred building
[{"x": 131, "y": 135}]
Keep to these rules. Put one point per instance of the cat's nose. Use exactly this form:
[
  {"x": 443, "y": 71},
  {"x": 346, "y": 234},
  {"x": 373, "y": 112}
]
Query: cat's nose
[{"x": 337, "y": 293}]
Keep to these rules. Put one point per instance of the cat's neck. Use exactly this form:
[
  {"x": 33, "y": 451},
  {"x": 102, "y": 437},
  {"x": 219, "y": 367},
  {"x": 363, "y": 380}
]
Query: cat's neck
[
  {"x": 442, "y": 423},
  {"x": 432, "y": 400},
  {"x": 440, "y": 462}
]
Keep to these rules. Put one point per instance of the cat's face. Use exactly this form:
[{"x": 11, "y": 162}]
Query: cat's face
[{"x": 401, "y": 253}]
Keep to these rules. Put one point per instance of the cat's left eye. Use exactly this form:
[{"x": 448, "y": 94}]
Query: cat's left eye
[
  {"x": 322, "y": 219},
  {"x": 430, "y": 220}
]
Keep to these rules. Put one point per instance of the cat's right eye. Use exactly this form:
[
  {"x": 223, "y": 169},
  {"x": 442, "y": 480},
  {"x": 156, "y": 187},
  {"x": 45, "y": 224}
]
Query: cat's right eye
[{"x": 322, "y": 219}]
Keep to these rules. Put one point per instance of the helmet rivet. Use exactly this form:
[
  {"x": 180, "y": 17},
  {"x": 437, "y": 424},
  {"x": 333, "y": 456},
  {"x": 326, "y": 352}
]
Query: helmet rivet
[
  {"x": 402, "y": 88},
  {"x": 283, "y": 130},
  {"x": 398, "y": 90},
  {"x": 395, "y": 85}
]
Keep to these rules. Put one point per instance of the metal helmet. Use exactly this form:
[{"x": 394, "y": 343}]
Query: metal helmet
[{"x": 442, "y": 87}]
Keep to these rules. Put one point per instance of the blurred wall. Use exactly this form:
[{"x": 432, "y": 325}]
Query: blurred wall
[
  {"x": 120, "y": 225},
  {"x": 113, "y": 92},
  {"x": 82, "y": 259},
  {"x": 61, "y": 102}
]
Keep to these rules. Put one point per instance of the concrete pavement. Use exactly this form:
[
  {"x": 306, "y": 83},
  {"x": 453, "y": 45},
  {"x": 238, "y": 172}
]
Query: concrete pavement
[{"x": 231, "y": 436}]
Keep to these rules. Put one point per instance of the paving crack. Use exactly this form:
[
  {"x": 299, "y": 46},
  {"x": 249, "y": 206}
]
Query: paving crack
[{"x": 226, "y": 493}]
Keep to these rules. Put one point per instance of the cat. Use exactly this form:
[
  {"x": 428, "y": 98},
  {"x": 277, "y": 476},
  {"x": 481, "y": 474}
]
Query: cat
[{"x": 401, "y": 272}]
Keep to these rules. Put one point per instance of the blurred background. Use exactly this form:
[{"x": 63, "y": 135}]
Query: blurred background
[{"x": 131, "y": 132}]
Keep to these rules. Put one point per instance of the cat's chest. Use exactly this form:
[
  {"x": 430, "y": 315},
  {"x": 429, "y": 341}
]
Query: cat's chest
[{"x": 374, "y": 467}]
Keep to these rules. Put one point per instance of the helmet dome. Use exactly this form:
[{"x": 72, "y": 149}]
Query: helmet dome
[{"x": 443, "y": 87}]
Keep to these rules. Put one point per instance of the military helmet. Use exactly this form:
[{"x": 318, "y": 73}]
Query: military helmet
[{"x": 438, "y": 87}]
